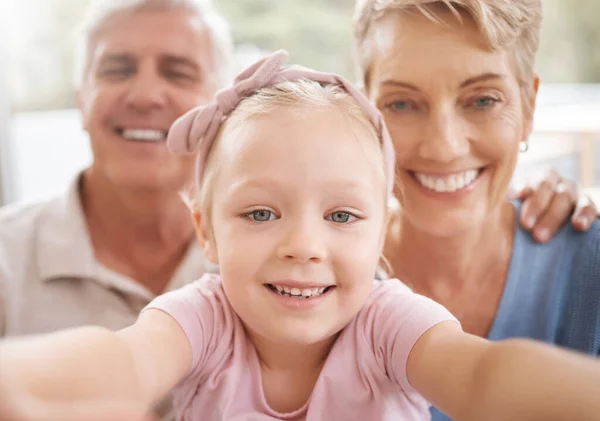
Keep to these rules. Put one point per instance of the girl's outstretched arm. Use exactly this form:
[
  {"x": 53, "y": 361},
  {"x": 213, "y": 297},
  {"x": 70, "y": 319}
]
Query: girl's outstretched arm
[
  {"x": 135, "y": 366},
  {"x": 470, "y": 378}
]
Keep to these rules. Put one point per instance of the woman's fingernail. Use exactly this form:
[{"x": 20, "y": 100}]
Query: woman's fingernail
[
  {"x": 583, "y": 221},
  {"x": 543, "y": 234},
  {"x": 530, "y": 222}
]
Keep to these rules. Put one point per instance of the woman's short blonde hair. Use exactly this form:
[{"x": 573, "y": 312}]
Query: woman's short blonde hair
[{"x": 505, "y": 24}]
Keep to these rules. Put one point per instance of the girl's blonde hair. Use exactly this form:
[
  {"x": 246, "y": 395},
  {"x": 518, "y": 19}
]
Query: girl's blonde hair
[
  {"x": 300, "y": 94},
  {"x": 505, "y": 24}
]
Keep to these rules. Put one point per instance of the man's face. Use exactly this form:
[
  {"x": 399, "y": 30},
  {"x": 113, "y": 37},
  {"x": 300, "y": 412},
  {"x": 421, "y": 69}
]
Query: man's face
[{"x": 145, "y": 70}]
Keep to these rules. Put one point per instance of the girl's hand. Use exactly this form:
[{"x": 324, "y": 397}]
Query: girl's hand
[{"x": 18, "y": 406}]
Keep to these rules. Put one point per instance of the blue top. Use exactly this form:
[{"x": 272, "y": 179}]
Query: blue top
[{"x": 552, "y": 292}]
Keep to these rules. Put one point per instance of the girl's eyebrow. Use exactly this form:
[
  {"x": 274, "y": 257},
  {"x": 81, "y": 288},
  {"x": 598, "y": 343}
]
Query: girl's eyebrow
[
  {"x": 253, "y": 183},
  {"x": 338, "y": 185}
]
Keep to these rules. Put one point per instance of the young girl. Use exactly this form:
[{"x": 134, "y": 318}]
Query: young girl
[{"x": 294, "y": 172}]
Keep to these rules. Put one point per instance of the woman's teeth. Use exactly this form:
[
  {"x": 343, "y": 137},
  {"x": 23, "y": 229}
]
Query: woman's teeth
[
  {"x": 146, "y": 135},
  {"x": 298, "y": 293},
  {"x": 447, "y": 184}
]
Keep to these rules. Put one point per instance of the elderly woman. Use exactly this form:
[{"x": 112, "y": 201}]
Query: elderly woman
[{"x": 455, "y": 83}]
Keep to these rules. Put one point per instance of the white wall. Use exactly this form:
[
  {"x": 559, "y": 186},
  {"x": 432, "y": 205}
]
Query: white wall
[{"x": 46, "y": 150}]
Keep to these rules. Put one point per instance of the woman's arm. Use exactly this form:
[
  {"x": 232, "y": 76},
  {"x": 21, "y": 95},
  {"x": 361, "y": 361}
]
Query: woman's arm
[
  {"x": 137, "y": 365},
  {"x": 470, "y": 378}
]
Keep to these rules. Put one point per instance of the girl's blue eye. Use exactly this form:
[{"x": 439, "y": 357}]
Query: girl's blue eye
[
  {"x": 261, "y": 215},
  {"x": 341, "y": 217}
]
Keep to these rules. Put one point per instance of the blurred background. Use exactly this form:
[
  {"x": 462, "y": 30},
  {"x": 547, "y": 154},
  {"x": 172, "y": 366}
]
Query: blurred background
[{"x": 42, "y": 145}]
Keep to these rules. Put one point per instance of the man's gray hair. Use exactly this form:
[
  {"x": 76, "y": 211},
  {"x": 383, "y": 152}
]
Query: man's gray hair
[{"x": 100, "y": 12}]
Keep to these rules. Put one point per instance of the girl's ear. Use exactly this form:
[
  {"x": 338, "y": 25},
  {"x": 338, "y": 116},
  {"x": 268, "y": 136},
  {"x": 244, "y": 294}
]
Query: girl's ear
[{"x": 206, "y": 242}]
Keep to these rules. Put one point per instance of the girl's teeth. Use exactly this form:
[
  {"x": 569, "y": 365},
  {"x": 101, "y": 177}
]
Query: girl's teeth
[
  {"x": 449, "y": 183},
  {"x": 300, "y": 294}
]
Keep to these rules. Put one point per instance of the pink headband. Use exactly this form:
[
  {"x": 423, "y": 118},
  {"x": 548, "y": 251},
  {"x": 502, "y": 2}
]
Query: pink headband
[{"x": 196, "y": 130}]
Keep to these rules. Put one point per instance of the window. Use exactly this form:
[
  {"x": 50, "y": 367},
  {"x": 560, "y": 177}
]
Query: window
[{"x": 44, "y": 145}]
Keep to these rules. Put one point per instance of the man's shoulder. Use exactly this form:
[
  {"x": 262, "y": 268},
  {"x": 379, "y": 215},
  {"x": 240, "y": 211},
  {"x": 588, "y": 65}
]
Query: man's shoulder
[{"x": 24, "y": 216}]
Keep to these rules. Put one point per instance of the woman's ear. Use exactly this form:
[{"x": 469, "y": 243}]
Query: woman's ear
[
  {"x": 530, "y": 103},
  {"x": 207, "y": 243}
]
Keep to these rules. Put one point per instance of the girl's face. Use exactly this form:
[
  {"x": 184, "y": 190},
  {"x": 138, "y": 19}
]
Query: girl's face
[{"x": 297, "y": 222}]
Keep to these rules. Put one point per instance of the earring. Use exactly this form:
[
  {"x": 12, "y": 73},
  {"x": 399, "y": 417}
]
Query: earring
[{"x": 524, "y": 146}]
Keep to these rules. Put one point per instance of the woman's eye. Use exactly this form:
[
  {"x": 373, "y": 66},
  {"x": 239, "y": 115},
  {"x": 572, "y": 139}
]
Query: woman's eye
[
  {"x": 341, "y": 217},
  {"x": 261, "y": 215},
  {"x": 400, "y": 105},
  {"x": 485, "y": 102}
]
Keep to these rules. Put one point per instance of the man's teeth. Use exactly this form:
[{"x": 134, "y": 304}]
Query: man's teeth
[
  {"x": 147, "y": 135},
  {"x": 299, "y": 293},
  {"x": 447, "y": 184}
]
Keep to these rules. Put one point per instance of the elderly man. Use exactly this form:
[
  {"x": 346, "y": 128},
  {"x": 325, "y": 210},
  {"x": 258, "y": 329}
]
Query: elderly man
[{"x": 121, "y": 234}]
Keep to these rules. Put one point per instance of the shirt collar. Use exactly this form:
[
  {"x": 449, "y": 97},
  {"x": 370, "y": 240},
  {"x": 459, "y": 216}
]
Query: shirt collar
[
  {"x": 63, "y": 245},
  {"x": 64, "y": 250}
]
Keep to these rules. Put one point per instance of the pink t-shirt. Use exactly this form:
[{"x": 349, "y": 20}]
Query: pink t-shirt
[{"x": 364, "y": 377}]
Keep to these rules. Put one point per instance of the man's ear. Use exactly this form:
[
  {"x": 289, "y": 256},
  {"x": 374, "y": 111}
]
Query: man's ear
[
  {"x": 207, "y": 243},
  {"x": 83, "y": 111}
]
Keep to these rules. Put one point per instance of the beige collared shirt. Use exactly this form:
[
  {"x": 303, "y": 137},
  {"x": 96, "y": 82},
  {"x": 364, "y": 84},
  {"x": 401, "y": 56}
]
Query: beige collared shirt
[{"x": 50, "y": 279}]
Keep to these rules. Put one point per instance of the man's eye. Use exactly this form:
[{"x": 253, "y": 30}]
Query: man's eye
[
  {"x": 178, "y": 76},
  {"x": 115, "y": 73}
]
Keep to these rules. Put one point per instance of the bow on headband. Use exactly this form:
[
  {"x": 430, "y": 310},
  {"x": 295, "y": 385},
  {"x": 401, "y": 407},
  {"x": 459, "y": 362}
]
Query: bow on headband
[{"x": 195, "y": 131}]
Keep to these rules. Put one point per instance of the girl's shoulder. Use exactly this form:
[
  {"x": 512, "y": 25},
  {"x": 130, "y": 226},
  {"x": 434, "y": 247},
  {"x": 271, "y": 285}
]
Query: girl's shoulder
[
  {"x": 393, "y": 308},
  {"x": 391, "y": 322},
  {"x": 203, "y": 312},
  {"x": 392, "y": 294}
]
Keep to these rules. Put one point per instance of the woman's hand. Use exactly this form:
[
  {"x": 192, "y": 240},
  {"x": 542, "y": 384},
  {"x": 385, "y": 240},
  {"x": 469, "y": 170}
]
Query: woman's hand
[{"x": 550, "y": 202}]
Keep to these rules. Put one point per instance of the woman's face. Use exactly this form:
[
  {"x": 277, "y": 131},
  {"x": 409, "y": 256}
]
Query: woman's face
[{"x": 456, "y": 115}]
